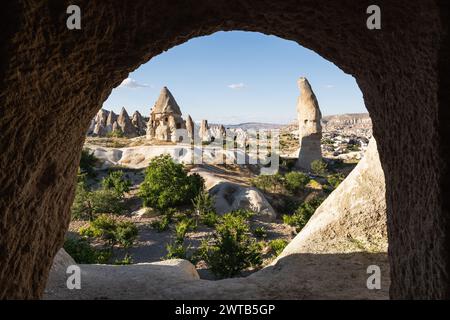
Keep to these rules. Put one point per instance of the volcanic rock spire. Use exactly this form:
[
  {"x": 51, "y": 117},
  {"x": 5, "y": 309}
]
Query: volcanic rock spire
[{"x": 310, "y": 129}]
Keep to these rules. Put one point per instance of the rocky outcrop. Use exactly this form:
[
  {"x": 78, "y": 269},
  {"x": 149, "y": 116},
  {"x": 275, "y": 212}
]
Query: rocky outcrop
[
  {"x": 146, "y": 279},
  {"x": 230, "y": 196},
  {"x": 190, "y": 128},
  {"x": 165, "y": 118},
  {"x": 310, "y": 130},
  {"x": 139, "y": 124},
  {"x": 204, "y": 131},
  {"x": 353, "y": 217},
  {"x": 125, "y": 124},
  {"x": 107, "y": 122},
  {"x": 112, "y": 118}
]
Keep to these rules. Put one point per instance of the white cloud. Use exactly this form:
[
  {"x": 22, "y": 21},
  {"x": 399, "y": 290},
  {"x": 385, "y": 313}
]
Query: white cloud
[
  {"x": 236, "y": 86},
  {"x": 133, "y": 84}
]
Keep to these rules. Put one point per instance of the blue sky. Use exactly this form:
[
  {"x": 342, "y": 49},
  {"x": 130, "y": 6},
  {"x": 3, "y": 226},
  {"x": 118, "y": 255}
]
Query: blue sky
[{"x": 234, "y": 77}]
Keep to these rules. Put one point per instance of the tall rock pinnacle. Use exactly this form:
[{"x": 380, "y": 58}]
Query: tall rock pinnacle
[{"x": 310, "y": 129}]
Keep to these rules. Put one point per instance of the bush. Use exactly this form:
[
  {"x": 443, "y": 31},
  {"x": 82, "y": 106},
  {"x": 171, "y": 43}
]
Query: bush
[
  {"x": 295, "y": 181},
  {"x": 106, "y": 201},
  {"x": 335, "y": 180},
  {"x": 209, "y": 219},
  {"x": 268, "y": 183},
  {"x": 175, "y": 250},
  {"x": 277, "y": 246},
  {"x": 167, "y": 184},
  {"x": 118, "y": 133},
  {"x": 260, "y": 232},
  {"x": 203, "y": 203},
  {"x": 82, "y": 252},
  {"x": 182, "y": 228},
  {"x": 243, "y": 213},
  {"x": 231, "y": 250},
  {"x": 319, "y": 167},
  {"x": 115, "y": 181},
  {"x": 106, "y": 228},
  {"x": 87, "y": 162},
  {"x": 162, "y": 224},
  {"x": 87, "y": 204},
  {"x": 128, "y": 259},
  {"x": 302, "y": 214}
]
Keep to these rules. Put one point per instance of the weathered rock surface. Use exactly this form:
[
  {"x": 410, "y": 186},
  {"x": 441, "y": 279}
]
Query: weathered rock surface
[
  {"x": 230, "y": 196},
  {"x": 310, "y": 129},
  {"x": 125, "y": 124},
  {"x": 138, "y": 281},
  {"x": 165, "y": 118},
  {"x": 139, "y": 123},
  {"x": 353, "y": 217}
]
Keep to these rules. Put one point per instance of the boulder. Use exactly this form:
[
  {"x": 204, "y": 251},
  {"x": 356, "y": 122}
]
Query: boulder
[{"x": 230, "y": 196}]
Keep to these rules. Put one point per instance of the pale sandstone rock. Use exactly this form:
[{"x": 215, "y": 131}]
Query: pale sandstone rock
[
  {"x": 125, "y": 124},
  {"x": 165, "y": 118},
  {"x": 310, "y": 129},
  {"x": 353, "y": 217}
]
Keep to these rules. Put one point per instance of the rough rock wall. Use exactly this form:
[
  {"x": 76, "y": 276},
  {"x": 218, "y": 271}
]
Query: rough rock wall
[
  {"x": 353, "y": 217},
  {"x": 52, "y": 79}
]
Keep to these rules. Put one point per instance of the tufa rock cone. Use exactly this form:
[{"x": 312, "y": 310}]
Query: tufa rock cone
[{"x": 310, "y": 129}]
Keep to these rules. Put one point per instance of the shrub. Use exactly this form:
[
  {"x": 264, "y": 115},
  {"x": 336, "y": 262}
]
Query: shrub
[
  {"x": 277, "y": 246},
  {"x": 128, "y": 259},
  {"x": 87, "y": 162},
  {"x": 126, "y": 233},
  {"x": 81, "y": 207},
  {"x": 302, "y": 214},
  {"x": 335, "y": 180},
  {"x": 115, "y": 181},
  {"x": 203, "y": 203},
  {"x": 82, "y": 252},
  {"x": 319, "y": 167},
  {"x": 106, "y": 228},
  {"x": 105, "y": 201},
  {"x": 268, "y": 183},
  {"x": 161, "y": 224},
  {"x": 87, "y": 204},
  {"x": 118, "y": 133},
  {"x": 209, "y": 219},
  {"x": 231, "y": 250},
  {"x": 167, "y": 184},
  {"x": 295, "y": 181},
  {"x": 175, "y": 250},
  {"x": 260, "y": 232},
  {"x": 243, "y": 213},
  {"x": 182, "y": 228}
]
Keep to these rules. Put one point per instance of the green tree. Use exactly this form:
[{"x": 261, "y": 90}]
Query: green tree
[
  {"x": 117, "y": 182},
  {"x": 167, "y": 184},
  {"x": 296, "y": 181},
  {"x": 319, "y": 167},
  {"x": 87, "y": 162},
  {"x": 231, "y": 250}
]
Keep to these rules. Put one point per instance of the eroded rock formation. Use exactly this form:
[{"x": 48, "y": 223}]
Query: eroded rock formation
[
  {"x": 353, "y": 217},
  {"x": 309, "y": 127},
  {"x": 165, "y": 118}
]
